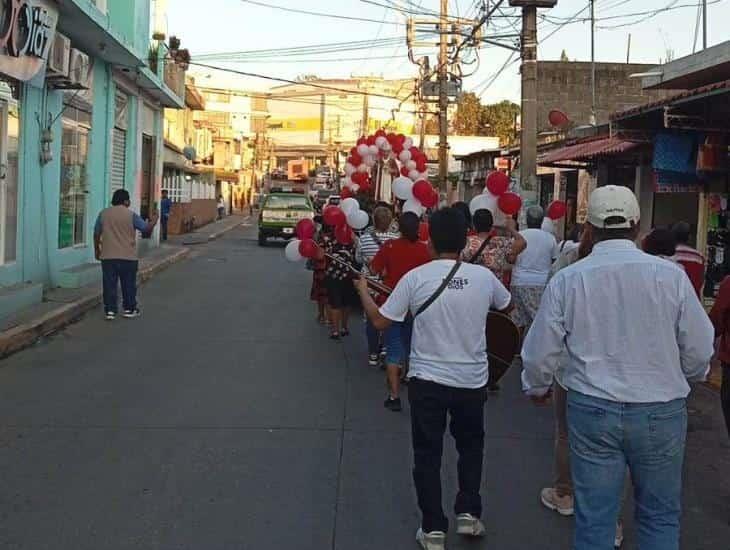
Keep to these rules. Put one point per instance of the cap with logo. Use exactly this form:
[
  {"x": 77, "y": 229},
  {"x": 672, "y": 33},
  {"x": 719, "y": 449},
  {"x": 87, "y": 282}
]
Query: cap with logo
[{"x": 613, "y": 207}]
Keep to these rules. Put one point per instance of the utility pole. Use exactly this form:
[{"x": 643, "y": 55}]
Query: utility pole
[
  {"x": 593, "y": 62},
  {"x": 704, "y": 24},
  {"x": 528, "y": 153},
  {"x": 365, "y": 112},
  {"x": 443, "y": 77}
]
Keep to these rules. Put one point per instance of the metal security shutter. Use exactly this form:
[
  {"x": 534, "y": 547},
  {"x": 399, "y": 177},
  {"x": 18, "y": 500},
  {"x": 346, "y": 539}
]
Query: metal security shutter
[{"x": 119, "y": 149}]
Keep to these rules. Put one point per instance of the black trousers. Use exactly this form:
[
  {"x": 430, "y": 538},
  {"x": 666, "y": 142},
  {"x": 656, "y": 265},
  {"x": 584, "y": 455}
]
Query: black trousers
[
  {"x": 430, "y": 403},
  {"x": 163, "y": 227},
  {"x": 725, "y": 395},
  {"x": 115, "y": 272}
]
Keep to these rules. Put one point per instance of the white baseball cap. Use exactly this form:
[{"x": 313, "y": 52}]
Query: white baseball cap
[{"x": 613, "y": 201}]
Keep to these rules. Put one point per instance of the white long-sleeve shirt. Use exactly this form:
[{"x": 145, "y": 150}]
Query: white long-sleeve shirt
[{"x": 632, "y": 325}]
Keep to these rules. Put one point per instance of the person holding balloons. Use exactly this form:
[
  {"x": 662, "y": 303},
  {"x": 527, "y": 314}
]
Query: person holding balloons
[{"x": 341, "y": 296}]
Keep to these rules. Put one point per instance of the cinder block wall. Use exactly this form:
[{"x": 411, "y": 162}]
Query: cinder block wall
[{"x": 566, "y": 86}]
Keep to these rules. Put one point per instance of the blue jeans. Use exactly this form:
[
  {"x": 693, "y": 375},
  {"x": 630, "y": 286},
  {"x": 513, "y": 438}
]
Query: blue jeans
[
  {"x": 398, "y": 342},
  {"x": 605, "y": 438},
  {"x": 373, "y": 336},
  {"x": 123, "y": 272}
]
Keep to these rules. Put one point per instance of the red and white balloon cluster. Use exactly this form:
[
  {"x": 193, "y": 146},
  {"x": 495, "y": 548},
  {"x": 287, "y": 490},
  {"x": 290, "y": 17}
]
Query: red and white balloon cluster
[
  {"x": 497, "y": 198},
  {"x": 344, "y": 218},
  {"x": 388, "y": 146}
]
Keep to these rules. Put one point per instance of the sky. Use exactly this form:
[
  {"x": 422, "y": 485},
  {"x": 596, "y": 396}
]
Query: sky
[{"x": 225, "y": 26}]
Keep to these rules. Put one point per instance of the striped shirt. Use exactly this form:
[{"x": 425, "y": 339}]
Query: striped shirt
[{"x": 370, "y": 244}]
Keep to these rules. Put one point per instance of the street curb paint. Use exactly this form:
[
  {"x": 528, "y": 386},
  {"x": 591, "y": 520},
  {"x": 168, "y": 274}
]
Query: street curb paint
[{"x": 25, "y": 335}]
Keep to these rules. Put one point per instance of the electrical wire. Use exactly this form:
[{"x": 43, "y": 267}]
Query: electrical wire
[{"x": 317, "y": 14}]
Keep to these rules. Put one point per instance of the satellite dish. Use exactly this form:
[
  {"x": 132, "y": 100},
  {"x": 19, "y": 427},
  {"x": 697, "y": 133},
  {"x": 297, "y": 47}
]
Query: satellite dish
[{"x": 558, "y": 119}]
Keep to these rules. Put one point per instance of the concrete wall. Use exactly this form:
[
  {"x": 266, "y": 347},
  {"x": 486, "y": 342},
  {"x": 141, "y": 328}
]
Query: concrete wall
[
  {"x": 203, "y": 210},
  {"x": 566, "y": 86}
]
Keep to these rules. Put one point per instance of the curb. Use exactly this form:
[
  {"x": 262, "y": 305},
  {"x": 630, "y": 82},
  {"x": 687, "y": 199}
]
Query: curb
[
  {"x": 221, "y": 232},
  {"x": 25, "y": 335}
]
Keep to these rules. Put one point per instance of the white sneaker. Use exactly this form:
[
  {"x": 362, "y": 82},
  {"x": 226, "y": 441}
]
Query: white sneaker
[
  {"x": 619, "y": 539},
  {"x": 435, "y": 540},
  {"x": 468, "y": 525},
  {"x": 110, "y": 316},
  {"x": 562, "y": 505}
]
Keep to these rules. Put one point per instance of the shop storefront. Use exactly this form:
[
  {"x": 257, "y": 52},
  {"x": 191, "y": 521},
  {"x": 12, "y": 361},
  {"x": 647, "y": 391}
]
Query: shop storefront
[{"x": 71, "y": 132}]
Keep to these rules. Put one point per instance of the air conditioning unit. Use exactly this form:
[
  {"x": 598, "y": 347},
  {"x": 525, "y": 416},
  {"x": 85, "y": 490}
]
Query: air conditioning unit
[
  {"x": 79, "y": 72},
  {"x": 59, "y": 57}
]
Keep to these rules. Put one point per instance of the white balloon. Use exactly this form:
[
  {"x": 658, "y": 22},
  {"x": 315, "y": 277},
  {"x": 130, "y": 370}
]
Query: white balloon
[
  {"x": 415, "y": 175},
  {"x": 380, "y": 142},
  {"x": 408, "y": 143},
  {"x": 370, "y": 162},
  {"x": 350, "y": 169},
  {"x": 415, "y": 206},
  {"x": 355, "y": 187},
  {"x": 403, "y": 188},
  {"x": 405, "y": 156},
  {"x": 363, "y": 149},
  {"x": 374, "y": 149},
  {"x": 292, "y": 251},
  {"x": 483, "y": 202},
  {"x": 363, "y": 168},
  {"x": 346, "y": 182},
  {"x": 358, "y": 220},
  {"x": 349, "y": 205},
  {"x": 411, "y": 165},
  {"x": 387, "y": 148}
]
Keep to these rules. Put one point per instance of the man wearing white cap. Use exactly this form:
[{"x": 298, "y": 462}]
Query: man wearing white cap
[{"x": 635, "y": 333}]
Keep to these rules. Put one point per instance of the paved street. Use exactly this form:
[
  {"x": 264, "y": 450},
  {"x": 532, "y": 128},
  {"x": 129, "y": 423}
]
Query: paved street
[{"x": 225, "y": 419}]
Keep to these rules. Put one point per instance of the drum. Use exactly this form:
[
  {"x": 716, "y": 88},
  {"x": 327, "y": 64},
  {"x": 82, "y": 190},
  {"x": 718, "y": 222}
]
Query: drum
[{"x": 503, "y": 344}]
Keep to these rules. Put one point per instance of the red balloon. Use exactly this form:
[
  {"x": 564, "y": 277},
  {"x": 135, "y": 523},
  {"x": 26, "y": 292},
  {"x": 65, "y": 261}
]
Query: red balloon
[
  {"x": 424, "y": 232},
  {"x": 422, "y": 190},
  {"x": 510, "y": 203},
  {"x": 432, "y": 200},
  {"x": 362, "y": 141},
  {"x": 361, "y": 178},
  {"x": 308, "y": 248},
  {"x": 391, "y": 137},
  {"x": 381, "y": 132},
  {"x": 557, "y": 210},
  {"x": 404, "y": 172},
  {"x": 498, "y": 183},
  {"x": 355, "y": 159},
  {"x": 346, "y": 193},
  {"x": 333, "y": 216},
  {"x": 421, "y": 164},
  {"x": 415, "y": 152},
  {"x": 344, "y": 235},
  {"x": 305, "y": 229},
  {"x": 397, "y": 147},
  {"x": 365, "y": 186},
  {"x": 400, "y": 138},
  {"x": 371, "y": 140}
]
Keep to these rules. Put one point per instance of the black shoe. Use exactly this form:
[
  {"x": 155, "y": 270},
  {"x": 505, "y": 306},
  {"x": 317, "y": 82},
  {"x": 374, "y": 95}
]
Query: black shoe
[
  {"x": 131, "y": 313},
  {"x": 344, "y": 332},
  {"x": 393, "y": 404}
]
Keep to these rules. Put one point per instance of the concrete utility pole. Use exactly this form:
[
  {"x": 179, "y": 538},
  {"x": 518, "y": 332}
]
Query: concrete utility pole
[
  {"x": 593, "y": 62},
  {"x": 528, "y": 152},
  {"x": 704, "y": 24},
  {"x": 443, "y": 76}
]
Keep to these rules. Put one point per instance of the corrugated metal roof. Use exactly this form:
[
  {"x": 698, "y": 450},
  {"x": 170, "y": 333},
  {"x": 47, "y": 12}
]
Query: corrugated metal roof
[
  {"x": 589, "y": 150},
  {"x": 687, "y": 94}
]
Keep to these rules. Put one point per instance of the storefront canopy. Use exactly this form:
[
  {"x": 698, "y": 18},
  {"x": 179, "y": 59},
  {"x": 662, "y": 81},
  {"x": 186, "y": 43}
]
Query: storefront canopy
[{"x": 583, "y": 153}]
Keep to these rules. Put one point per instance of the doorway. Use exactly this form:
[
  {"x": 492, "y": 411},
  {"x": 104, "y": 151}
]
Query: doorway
[
  {"x": 147, "y": 193},
  {"x": 9, "y": 134}
]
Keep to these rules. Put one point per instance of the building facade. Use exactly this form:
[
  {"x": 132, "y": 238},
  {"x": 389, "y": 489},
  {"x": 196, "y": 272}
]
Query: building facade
[{"x": 80, "y": 116}]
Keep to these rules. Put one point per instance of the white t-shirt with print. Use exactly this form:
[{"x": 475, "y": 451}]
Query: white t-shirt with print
[
  {"x": 449, "y": 344},
  {"x": 533, "y": 264}
]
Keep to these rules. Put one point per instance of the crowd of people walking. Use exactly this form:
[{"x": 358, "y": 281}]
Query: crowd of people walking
[{"x": 614, "y": 333}]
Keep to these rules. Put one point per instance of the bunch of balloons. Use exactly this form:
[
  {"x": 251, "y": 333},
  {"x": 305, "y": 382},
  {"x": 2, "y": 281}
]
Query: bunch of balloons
[
  {"x": 383, "y": 146},
  {"x": 344, "y": 218},
  {"x": 497, "y": 198}
]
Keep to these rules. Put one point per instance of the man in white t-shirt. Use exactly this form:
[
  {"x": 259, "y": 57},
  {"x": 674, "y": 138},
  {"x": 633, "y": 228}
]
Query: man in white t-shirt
[
  {"x": 532, "y": 269},
  {"x": 448, "y": 370}
]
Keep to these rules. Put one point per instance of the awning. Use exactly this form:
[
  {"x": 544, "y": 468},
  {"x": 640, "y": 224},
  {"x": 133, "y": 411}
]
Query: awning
[{"x": 588, "y": 151}]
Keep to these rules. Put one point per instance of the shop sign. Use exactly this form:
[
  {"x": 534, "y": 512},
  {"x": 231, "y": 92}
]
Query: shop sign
[{"x": 27, "y": 29}]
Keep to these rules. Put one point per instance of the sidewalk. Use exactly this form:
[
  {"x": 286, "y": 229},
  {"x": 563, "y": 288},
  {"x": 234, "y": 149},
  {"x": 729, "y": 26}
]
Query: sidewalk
[
  {"x": 62, "y": 306},
  {"x": 209, "y": 232}
]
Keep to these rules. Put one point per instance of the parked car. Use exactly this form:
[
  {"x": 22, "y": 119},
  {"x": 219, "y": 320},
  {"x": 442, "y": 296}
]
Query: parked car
[
  {"x": 280, "y": 214},
  {"x": 321, "y": 197},
  {"x": 334, "y": 200}
]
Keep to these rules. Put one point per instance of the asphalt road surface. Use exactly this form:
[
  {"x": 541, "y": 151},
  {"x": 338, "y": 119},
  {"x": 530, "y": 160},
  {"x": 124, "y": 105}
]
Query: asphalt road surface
[{"x": 224, "y": 418}]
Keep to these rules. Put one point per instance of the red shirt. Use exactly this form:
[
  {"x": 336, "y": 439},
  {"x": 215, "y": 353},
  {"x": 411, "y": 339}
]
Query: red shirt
[
  {"x": 398, "y": 257},
  {"x": 720, "y": 316},
  {"x": 694, "y": 264}
]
